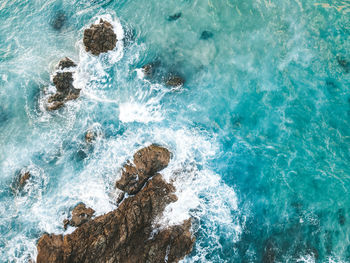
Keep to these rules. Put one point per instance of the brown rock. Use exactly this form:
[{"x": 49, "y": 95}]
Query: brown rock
[
  {"x": 147, "y": 162},
  {"x": 80, "y": 215},
  {"x": 175, "y": 81},
  {"x": 63, "y": 82},
  {"x": 21, "y": 180},
  {"x": 123, "y": 235},
  {"x": 24, "y": 177},
  {"x": 90, "y": 136},
  {"x": 100, "y": 38},
  {"x": 66, "y": 63}
]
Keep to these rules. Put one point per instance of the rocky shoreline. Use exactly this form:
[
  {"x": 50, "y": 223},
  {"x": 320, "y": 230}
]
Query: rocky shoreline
[{"x": 128, "y": 233}]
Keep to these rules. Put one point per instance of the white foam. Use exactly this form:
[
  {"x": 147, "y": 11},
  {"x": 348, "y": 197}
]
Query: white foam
[{"x": 137, "y": 112}]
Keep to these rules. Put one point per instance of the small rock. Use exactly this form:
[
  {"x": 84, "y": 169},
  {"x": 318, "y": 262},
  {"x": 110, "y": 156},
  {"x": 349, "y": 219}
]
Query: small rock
[
  {"x": 120, "y": 198},
  {"x": 206, "y": 35},
  {"x": 58, "y": 20},
  {"x": 90, "y": 136},
  {"x": 21, "y": 180},
  {"x": 174, "y": 17},
  {"x": 80, "y": 215},
  {"x": 100, "y": 38},
  {"x": 175, "y": 81},
  {"x": 63, "y": 82},
  {"x": 66, "y": 63},
  {"x": 345, "y": 64},
  {"x": 24, "y": 179}
]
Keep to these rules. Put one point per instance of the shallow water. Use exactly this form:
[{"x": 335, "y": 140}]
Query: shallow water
[{"x": 259, "y": 133}]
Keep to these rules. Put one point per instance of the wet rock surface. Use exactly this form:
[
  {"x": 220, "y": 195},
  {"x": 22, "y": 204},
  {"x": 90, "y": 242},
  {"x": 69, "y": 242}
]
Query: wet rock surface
[
  {"x": 100, "y": 38},
  {"x": 63, "y": 81},
  {"x": 127, "y": 234},
  {"x": 147, "y": 162},
  {"x": 175, "y": 81},
  {"x": 21, "y": 179},
  {"x": 80, "y": 215}
]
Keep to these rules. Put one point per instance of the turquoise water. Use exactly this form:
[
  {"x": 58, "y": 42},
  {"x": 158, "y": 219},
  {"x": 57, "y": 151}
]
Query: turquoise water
[{"x": 260, "y": 131}]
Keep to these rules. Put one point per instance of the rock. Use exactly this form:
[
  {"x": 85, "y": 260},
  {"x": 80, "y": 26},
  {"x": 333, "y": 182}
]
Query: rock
[
  {"x": 345, "y": 64},
  {"x": 63, "y": 82},
  {"x": 120, "y": 198},
  {"x": 206, "y": 35},
  {"x": 148, "y": 70},
  {"x": 90, "y": 136},
  {"x": 24, "y": 177},
  {"x": 58, "y": 20},
  {"x": 125, "y": 234},
  {"x": 54, "y": 243},
  {"x": 21, "y": 180},
  {"x": 175, "y": 81},
  {"x": 174, "y": 17},
  {"x": 80, "y": 215},
  {"x": 66, "y": 63},
  {"x": 147, "y": 162},
  {"x": 100, "y": 38}
]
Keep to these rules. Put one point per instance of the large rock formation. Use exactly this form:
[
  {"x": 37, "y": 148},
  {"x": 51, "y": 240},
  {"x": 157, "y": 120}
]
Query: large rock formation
[
  {"x": 127, "y": 234},
  {"x": 147, "y": 162},
  {"x": 100, "y": 38},
  {"x": 63, "y": 81}
]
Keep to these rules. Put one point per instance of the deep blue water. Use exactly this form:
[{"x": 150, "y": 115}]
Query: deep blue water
[{"x": 260, "y": 131}]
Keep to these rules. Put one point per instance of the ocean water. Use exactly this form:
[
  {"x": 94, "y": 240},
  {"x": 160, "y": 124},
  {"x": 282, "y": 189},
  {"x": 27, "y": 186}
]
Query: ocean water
[{"x": 260, "y": 132}]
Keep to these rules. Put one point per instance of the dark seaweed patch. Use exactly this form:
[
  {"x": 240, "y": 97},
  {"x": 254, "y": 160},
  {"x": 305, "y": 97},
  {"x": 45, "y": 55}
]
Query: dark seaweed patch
[{"x": 174, "y": 17}]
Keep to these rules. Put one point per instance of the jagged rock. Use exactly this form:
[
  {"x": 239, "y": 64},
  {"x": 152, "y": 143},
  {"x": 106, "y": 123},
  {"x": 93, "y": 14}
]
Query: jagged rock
[
  {"x": 147, "y": 162},
  {"x": 80, "y": 215},
  {"x": 63, "y": 82},
  {"x": 21, "y": 180},
  {"x": 175, "y": 81},
  {"x": 206, "y": 35},
  {"x": 66, "y": 63},
  {"x": 90, "y": 136},
  {"x": 125, "y": 234},
  {"x": 100, "y": 38},
  {"x": 24, "y": 177}
]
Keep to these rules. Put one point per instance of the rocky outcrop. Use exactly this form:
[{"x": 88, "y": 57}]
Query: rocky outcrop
[
  {"x": 127, "y": 234},
  {"x": 63, "y": 81},
  {"x": 147, "y": 162},
  {"x": 80, "y": 215},
  {"x": 21, "y": 179},
  {"x": 175, "y": 81},
  {"x": 100, "y": 38}
]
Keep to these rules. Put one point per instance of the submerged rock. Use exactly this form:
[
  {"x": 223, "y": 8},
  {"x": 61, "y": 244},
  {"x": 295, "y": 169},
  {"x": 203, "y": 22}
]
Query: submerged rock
[
  {"x": 175, "y": 81},
  {"x": 58, "y": 20},
  {"x": 147, "y": 162},
  {"x": 90, "y": 136},
  {"x": 100, "y": 38},
  {"x": 345, "y": 64},
  {"x": 206, "y": 35},
  {"x": 127, "y": 234},
  {"x": 174, "y": 17},
  {"x": 80, "y": 215},
  {"x": 63, "y": 82}
]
